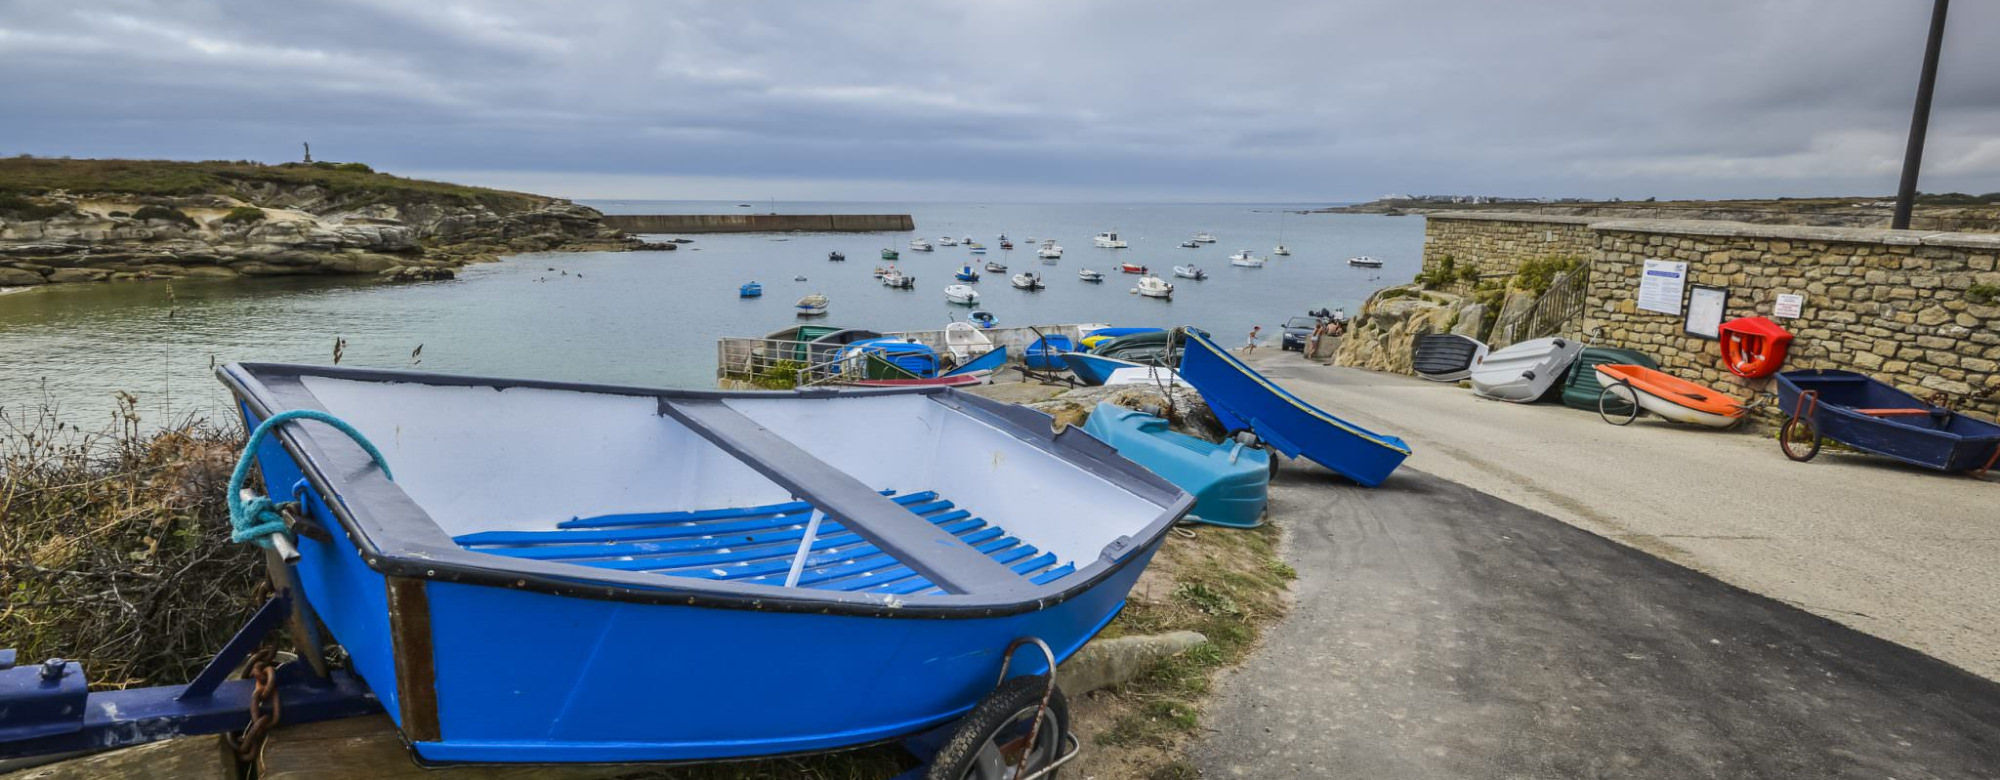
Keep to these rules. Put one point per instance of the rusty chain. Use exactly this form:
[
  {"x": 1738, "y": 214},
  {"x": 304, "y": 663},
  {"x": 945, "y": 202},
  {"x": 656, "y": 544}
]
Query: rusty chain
[{"x": 265, "y": 709}]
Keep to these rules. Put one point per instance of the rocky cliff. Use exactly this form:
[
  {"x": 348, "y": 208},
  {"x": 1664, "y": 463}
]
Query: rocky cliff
[{"x": 240, "y": 219}]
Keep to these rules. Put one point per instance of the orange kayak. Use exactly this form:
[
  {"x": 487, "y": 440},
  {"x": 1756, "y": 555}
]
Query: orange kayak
[{"x": 1670, "y": 396}]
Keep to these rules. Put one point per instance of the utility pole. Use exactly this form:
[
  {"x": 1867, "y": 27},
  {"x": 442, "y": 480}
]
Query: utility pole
[{"x": 1920, "y": 120}]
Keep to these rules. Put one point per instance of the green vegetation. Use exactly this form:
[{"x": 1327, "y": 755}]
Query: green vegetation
[
  {"x": 243, "y": 215},
  {"x": 1982, "y": 294},
  {"x": 354, "y": 184},
  {"x": 1394, "y": 293},
  {"x": 14, "y": 206},
  {"x": 164, "y": 214},
  {"x": 1538, "y": 274},
  {"x": 1960, "y": 199},
  {"x": 781, "y": 375}
]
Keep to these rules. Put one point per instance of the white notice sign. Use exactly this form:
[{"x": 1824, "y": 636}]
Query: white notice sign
[
  {"x": 1788, "y": 306},
  {"x": 1661, "y": 286}
]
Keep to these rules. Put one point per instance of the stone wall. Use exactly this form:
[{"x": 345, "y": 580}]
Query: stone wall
[
  {"x": 1908, "y": 307},
  {"x": 1496, "y": 244},
  {"x": 1892, "y": 304}
]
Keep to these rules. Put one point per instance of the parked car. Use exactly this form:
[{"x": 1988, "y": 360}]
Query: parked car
[{"x": 1298, "y": 330}]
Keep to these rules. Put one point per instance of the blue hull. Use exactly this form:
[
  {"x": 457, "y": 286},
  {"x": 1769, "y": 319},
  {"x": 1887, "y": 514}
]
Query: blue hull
[
  {"x": 992, "y": 361},
  {"x": 1045, "y": 354},
  {"x": 1243, "y": 399},
  {"x": 1938, "y": 440},
  {"x": 1230, "y": 483},
  {"x": 1095, "y": 369}
]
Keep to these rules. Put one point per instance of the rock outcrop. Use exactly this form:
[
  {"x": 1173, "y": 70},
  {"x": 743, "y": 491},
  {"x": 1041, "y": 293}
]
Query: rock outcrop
[
  {"x": 269, "y": 229},
  {"x": 1382, "y": 336}
]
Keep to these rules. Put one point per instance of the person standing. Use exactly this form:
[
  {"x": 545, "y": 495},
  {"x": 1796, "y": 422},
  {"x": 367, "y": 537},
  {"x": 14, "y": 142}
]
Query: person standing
[{"x": 1251, "y": 345}]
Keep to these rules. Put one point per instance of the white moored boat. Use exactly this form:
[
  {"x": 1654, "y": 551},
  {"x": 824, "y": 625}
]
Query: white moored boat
[
  {"x": 964, "y": 341},
  {"x": 1154, "y": 287},
  {"x": 919, "y": 245},
  {"x": 1089, "y": 275},
  {"x": 961, "y": 293},
  {"x": 813, "y": 305},
  {"x": 1028, "y": 280},
  {"x": 947, "y": 241},
  {"x": 1246, "y": 260},
  {"x": 1204, "y": 238},
  {"x": 1281, "y": 251},
  {"x": 898, "y": 280},
  {"x": 1108, "y": 240},
  {"x": 1050, "y": 249},
  {"x": 1190, "y": 272},
  {"x": 1364, "y": 261},
  {"x": 1524, "y": 372}
]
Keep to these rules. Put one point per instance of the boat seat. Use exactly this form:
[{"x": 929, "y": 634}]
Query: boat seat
[
  {"x": 756, "y": 544},
  {"x": 1903, "y": 412}
]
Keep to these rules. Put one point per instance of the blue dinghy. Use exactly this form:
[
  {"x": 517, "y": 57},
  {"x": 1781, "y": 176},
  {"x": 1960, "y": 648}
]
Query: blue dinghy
[
  {"x": 1045, "y": 354},
  {"x": 750, "y": 290},
  {"x": 1230, "y": 482},
  {"x": 586, "y": 573},
  {"x": 993, "y": 360},
  {"x": 1244, "y": 400},
  {"x": 1873, "y": 416},
  {"x": 1095, "y": 369}
]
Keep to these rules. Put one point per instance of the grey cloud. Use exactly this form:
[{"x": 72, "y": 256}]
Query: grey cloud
[{"x": 1158, "y": 100}]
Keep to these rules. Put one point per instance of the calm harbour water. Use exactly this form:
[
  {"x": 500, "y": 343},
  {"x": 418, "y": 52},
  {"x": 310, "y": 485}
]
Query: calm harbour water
[{"x": 652, "y": 318}]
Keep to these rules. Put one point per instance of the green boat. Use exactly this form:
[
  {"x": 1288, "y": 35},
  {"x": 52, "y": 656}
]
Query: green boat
[
  {"x": 890, "y": 254},
  {"x": 1581, "y": 390}
]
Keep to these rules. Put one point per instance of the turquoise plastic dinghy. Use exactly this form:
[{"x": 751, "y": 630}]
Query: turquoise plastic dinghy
[{"x": 1229, "y": 481}]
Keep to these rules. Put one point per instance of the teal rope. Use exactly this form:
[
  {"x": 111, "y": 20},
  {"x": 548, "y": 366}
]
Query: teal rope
[{"x": 255, "y": 520}]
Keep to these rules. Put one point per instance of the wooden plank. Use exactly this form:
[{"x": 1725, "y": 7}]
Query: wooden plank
[
  {"x": 416, "y": 677},
  {"x": 205, "y": 757},
  {"x": 370, "y": 747}
]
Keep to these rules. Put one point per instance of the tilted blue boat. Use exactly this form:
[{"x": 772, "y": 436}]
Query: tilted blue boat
[
  {"x": 993, "y": 360},
  {"x": 1230, "y": 482},
  {"x": 1872, "y": 416},
  {"x": 1095, "y": 369},
  {"x": 1244, "y": 400},
  {"x": 751, "y": 290},
  {"x": 892, "y": 358},
  {"x": 1045, "y": 353},
  {"x": 583, "y": 573}
]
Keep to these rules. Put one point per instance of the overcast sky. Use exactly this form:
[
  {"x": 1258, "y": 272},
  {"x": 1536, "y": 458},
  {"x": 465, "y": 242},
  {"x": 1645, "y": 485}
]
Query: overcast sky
[{"x": 1025, "y": 100}]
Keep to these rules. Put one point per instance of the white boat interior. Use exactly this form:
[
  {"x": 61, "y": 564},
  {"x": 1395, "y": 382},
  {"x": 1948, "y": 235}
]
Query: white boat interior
[
  {"x": 480, "y": 459},
  {"x": 1109, "y": 240},
  {"x": 965, "y": 341}
]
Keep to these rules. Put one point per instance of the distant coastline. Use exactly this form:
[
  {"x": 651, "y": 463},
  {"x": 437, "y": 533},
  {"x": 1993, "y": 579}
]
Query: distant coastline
[{"x": 1947, "y": 212}]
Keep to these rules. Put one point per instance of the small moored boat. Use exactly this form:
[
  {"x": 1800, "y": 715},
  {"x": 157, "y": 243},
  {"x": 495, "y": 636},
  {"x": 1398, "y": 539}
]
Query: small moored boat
[
  {"x": 1005, "y": 244},
  {"x": 887, "y": 254},
  {"x": 959, "y": 293},
  {"x": 1190, "y": 272},
  {"x": 984, "y": 319},
  {"x": 1364, "y": 261},
  {"x": 1244, "y": 259},
  {"x": 1243, "y": 400},
  {"x": 947, "y": 241},
  {"x": 897, "y": 280},
  {"x": 1230, "y": 481},
  {"x": 1027, "y": 280},
  {"x": 1190, "y": 244},
  {"x": 1204, "y": 238},
  {"x": 1108, "y": 240},
  {"x": 1526, "y": 372},
  {"x": 1445, "y": 357},
  {"x": 1154, "y": 287},
  {"x": 1089, "y": 275},
  {"x": 1049, "y": 250},
  {"x": 920, "y": 245},
  {"x": 838, "y": 257},
  {"x": 715, "y": 535},
  {"x": 750, "y": 290},
  {"x": 1281, "y": 251},
  {"x": 812, "y": 305},
  {"x": 966, "y": 273},
  {"x": 1131, "y": 268},
  {"x": 1666, "y": 395},
  {"x": 995, "y": 267}
]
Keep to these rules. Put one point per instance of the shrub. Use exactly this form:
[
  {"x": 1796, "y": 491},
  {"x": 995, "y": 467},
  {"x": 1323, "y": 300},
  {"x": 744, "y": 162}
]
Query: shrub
[
  {"x": 1468, "y": 274},
  {"x": 1536, "y": 275},
  {"x": 16, "y": 207},
  {"x": 1982, "y": 294},
  {"x": 354, "y": 166},
  {"x": 164, "y": 214},
  {"x": 1394, "y": 293},
  {"x": 243, "y": 214},
  {"x": 118, "y": 213}
]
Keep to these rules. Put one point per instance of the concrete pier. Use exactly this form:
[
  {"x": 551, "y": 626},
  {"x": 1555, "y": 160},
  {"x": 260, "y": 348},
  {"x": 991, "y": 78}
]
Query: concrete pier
[{"x": 760, "y": 223}]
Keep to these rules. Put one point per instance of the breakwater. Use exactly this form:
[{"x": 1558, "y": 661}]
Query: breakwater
[{"x": 760, "y": 223}]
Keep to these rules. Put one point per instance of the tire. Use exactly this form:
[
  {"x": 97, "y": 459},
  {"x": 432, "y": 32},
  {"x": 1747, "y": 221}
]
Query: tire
[
  {"x": 1799, "y": 439},
  {"x": 973, "y": 752},
  {"x": 1608, "y": 401}
]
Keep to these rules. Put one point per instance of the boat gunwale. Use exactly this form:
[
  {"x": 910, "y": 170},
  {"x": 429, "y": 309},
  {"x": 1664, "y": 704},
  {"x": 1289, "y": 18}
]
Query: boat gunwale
[
  {"x": 423, "y": 551},
  {"x": 1380, "y": 440}
]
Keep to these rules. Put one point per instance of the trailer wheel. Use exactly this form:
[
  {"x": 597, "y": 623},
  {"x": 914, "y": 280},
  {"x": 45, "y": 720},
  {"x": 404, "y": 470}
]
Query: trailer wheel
[
  {"x": 1799, "y": 439},
  {"x": 1609, "y": 403},
  {"x": 991, "y": 743}
]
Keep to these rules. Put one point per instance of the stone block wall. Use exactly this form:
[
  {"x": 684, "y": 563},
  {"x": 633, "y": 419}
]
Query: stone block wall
[
  {"x": 1892, "y": 304},
  {"x": 1497, "y": 243}
]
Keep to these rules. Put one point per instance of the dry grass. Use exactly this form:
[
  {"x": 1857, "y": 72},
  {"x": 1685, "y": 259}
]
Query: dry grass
[{"x": 114, "y": 545}]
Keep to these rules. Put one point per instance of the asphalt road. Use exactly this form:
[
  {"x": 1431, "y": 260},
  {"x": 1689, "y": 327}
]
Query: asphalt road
[{"x": 1440, "y": 632}]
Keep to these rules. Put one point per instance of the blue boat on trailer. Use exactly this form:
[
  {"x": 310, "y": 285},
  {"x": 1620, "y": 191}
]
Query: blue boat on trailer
[
  {"x": 1872, "y": 416},
  {"x": 1245, "y": 401},
  {"x": 585, "y": 573}
]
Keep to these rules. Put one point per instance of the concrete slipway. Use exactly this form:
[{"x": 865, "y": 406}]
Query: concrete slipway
[{"x": 1472, "y": 619}]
